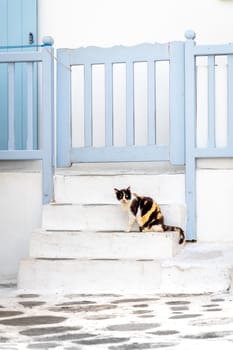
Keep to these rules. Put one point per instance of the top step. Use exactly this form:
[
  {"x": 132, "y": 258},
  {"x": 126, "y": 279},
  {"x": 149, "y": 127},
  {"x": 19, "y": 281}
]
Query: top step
[{"x": 94, "y": 183}]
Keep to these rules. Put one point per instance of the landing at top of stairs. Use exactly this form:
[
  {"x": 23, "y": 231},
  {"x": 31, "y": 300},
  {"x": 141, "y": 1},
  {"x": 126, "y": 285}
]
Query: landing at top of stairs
[{"x": 141, "y": 168}]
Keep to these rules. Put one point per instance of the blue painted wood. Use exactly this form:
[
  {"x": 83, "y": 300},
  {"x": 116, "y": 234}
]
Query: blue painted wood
[
  {"x": 130, "y": 130},
  {"x": 151, "y": 93},
  {"x": 220, "y": 152},
  {"x": 45, "y": 151},
  {"x": 190, "y": 138},
  {"x": 108, "y": 104},
  {"x": 19, "y": 57},
  {"x": 120, "y": 154},
  {"x": 21, "y": 155},
  {"x": 3, "y": 80},
  {"x": 208, "y": 50},
  {"x": 150, "y": 53},
  {"x": 88, "y": 122},
  {"x": 177, "y": 104},
  {"x": 17, "y": 18},
  {"x": 119, "y": 54},
  {"x": 63, "y": 122},
  {"x": 48, "y": 163},
  {"x": 229, "y": 101},
  {"x": 211, "y": 151},
  {"x": 29, "y": 111},
  {"x": 211, "y": 101},
  {"x": 11, "y": 106}
]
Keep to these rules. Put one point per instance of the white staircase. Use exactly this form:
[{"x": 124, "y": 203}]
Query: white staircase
[{"x": 82, "y": 246}]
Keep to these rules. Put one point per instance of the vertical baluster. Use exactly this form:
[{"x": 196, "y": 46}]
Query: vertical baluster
[
  {"x": 130, "y": 133},
  {"x": 11, "y": 106},
  {"x": 230, "y": 101},
  {"x": 190, "y": 134},
  {"x": 108, "y": 105},
  {"x": 211, "y": 101},
  {"x": 151, "y": 93},
  {"x": 29, "y": 105},
  {"x": 88, "y": 124}
]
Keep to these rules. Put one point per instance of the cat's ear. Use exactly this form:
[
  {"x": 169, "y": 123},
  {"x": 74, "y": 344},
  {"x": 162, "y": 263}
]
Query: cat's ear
[
  {"x": 128, "y": 188},
  {"x": 116, "y": 190}
]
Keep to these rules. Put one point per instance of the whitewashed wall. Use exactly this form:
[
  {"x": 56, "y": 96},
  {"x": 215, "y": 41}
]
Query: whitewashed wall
[
  {"x": 20, "y": 212},
  {"x": 75, "y": 23}
]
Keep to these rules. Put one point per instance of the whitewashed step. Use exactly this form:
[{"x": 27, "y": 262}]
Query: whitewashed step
[
  {"x": 104, "y": 217},
  {"x": 89, "y": 276},
  {"x": 192, "y": 271},
  {"x": 98, "y": 189},
  {"x": 104, "y": 245}
]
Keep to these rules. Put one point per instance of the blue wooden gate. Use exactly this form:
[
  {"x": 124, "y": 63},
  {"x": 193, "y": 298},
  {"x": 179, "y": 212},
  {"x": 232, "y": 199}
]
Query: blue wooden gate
[
  {"x": 18, "y": 28},
  {"x": 43, "y": 60},
  {"x": 151, "y": 54},
  {"x": 211, "y": 148}
]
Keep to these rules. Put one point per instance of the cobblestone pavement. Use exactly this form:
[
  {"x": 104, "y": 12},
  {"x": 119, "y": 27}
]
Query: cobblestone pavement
[{"x": 115, "y": 322}]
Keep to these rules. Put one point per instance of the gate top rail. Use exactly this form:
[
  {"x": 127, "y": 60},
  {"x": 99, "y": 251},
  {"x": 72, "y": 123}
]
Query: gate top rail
[{"x": 116, "y": 54}]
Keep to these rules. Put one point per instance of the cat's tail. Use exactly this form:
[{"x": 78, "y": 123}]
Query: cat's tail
[{"x": 177, "y": 229}]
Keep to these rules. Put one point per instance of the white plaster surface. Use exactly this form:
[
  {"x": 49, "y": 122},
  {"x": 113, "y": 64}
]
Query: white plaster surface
[
  {"x": 197, "y": 268},
  {"x": 107, "y": 217},
  {"x": 104, "y": 245},
  {"x": 20, "y": 213},
  {"x": 214, "y": 205},
  {"x": 85, "y": 189}
]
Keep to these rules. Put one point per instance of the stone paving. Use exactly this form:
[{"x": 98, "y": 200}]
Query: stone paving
[{"x": 115, "y": 322}]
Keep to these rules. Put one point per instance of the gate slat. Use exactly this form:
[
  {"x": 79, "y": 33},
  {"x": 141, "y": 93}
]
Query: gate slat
[
  {"x": 11, "y": 106},
  {"x": 229, "y": 101},
  {"x": 29, "y": 106},
  {"x": 211, "y": 101},
  {"x": 151, "y": 92},
  {"x": 108, "y": 104},
  {"x": 88, "y": 124},
  {"x": 130, "y": 135}
]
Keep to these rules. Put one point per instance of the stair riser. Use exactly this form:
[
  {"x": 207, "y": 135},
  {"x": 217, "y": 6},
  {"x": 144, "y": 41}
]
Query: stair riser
[
  {"x": 120, "y": 276},
  {"x": 100, "y": 218},
  {"x": 89, "y": 276},
  {"x": 99, "y": 189},
  {"x": 109, "y": 245}
]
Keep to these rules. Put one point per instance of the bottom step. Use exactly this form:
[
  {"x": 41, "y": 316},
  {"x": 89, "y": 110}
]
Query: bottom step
[{"x": 197, "y": 269}]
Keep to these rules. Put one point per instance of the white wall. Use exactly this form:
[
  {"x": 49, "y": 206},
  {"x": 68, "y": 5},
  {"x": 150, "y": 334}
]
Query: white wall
[
  {"x": 75, "y": 23},
  {"x": 20, "y": 212}
]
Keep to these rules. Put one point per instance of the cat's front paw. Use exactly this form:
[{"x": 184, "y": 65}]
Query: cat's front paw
[{"x": 128, "y": 229}]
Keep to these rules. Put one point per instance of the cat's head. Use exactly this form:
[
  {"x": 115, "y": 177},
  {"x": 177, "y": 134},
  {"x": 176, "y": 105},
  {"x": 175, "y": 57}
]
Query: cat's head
[{"x": 123, "y": 196}]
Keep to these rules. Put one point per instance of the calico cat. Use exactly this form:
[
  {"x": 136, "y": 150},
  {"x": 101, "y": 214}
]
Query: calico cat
[{"x": 146, "y": 212}]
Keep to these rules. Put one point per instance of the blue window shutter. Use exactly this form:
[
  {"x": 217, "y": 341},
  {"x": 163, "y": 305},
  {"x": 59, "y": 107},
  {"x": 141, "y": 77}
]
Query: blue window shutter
[{"x": 18, "y": 18}]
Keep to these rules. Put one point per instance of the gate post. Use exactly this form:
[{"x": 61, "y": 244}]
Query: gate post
[
  {"x": 47, "y": 119},
  {"x": 190, "y": 132},
  {"x": 176, "y": 100},
  {"x": 63, "y": 127}
]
